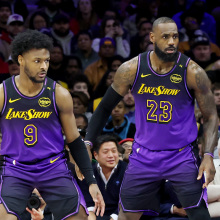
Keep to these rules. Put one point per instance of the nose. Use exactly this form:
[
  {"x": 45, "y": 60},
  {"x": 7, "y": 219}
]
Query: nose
[
  {"x": 171, "y": 41},
  {"x": 110, "y": 154},
  {"x": 43, "y": 66}
]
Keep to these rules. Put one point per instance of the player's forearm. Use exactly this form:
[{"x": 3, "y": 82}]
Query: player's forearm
[
  {"x": 81, "y": 157},
  {"x": 210, "y": 132},
  {"x": 102, "y": 113}
]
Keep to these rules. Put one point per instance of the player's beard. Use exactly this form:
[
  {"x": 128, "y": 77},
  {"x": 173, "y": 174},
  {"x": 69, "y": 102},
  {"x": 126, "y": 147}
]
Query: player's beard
[
  {"x": 32, "y": 78},
  {"x": 165, "y": 56}
]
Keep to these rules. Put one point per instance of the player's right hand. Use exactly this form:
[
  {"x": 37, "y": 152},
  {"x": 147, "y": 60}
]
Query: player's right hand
[
  {"x": 207, "y": 166},
  {"x": 99, "y": 208}
]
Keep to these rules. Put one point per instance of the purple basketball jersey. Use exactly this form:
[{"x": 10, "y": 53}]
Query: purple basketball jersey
[
  {"x": 164, "y": 107},
  {"x": 31, "y": 130}
]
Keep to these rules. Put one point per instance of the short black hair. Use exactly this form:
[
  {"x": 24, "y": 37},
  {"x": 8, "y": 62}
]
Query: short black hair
[
  {"x": 162, "y": 20},
  {"x": 28, "y": 40},
  {"x": 84, "y": 118},
  {"x": 81, "y": 96},
  {"x": 144, "y": 22},
  {"x": 74, "y": 57},
  {"x": 103, "y": 139},
  {"x": 84, "y": 32}
]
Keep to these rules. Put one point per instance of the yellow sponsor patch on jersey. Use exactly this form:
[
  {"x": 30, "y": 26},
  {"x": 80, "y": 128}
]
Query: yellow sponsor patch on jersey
[
  {"x": 176, "y": 78},
  {"x": 44, "y": 102}
]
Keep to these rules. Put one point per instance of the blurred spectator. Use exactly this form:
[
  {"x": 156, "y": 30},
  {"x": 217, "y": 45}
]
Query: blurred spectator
[
  {"x": 127, "y": 145},
  {"x": 132, "y": 23},
  {"x": 62, "y": 34},
  {"x": 96, "y": 70},
  {"x": 216, "y": 93},
  {"x": 57, "y": 64},
  {"x": 80, "y": 104},
  {"x": 73, "y": 67},
  {"x": 81, "y": 121},
  {"x": 86, "y": 18},
  {"x": 81, "y": 84},
  {"x": 129, "y": 106},
  {"x": 13, "y": 69},
  {"x": 50, "y": 7},
  {"x": 5, "y": 12},
  {"x": 84, "y": 49},
  {"x": 110, "y": 27},
  {"x": 109, "y": 173},
  {"x": 38, "y": 21},
  {"x": 111, "y": 12},
  {"x": 105, "y": 82},
  {"x": 201, "y": 54},
  {"x": 121, "y": 152},
  {"x": 15, "y": 25},
  {"x": 205, "y": 20},
  {"x": 119, "y": 124},
  {"x": 18, "y": 7},
  {"x": 184, "y": 46},
  {"x": 82, "y": 124},
  {"x": 145, "y": 44},
  {"x": 115, "y": 62},
  {"x": 189, "y": 24},
  {"x": 144, "y": 29}
]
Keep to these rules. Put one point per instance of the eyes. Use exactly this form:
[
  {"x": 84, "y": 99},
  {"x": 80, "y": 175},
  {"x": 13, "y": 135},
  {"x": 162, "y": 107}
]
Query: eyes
[
  {"x": 167, "y": 36},
  {"x": 38, "y": 61}
]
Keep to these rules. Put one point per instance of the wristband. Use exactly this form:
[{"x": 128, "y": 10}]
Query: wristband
[
  {"x": 171, "y": 209},
  {"x": 210, "y": 154},
  {"x": 89, "y": 143}
]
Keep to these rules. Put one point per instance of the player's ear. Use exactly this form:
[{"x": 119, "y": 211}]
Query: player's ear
[
  {"x": 95, "y": 155},
  {"x": 20, "y": 59},
  {"x": 152, "y": 37}
]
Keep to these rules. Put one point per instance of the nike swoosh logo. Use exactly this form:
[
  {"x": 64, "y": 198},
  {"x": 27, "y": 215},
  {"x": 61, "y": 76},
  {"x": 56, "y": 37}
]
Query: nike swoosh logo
[
  {"x": 142, "y": 75},
  {"x": 52, "y": 161},
  {"x": 181, "y": 149},
  {"x": 11, "y": 101}
]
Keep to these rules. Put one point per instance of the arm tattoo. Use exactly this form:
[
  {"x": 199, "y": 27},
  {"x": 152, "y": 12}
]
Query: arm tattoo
[{"x": 125, "y": 75}]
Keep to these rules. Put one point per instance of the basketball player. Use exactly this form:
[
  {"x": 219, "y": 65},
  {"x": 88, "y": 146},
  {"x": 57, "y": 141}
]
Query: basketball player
[
  {"x": 164, "y": 84},
  {"x": 34, "y": 110}
]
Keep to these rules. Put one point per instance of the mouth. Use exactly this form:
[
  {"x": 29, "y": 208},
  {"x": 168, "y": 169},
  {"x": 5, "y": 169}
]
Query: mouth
[
  {"x": 42, "y": 74},
  {"x": 170, "y": 50}
]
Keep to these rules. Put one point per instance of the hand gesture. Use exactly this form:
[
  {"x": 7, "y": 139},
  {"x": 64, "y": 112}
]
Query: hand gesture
[
  {"x": 98, "y": 199},
  {"x": 36, "y": 214},
  {"x": 207, "y": 166}
]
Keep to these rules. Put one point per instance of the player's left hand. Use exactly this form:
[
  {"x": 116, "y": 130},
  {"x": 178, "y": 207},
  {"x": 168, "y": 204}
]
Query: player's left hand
[
  {"x": 36, "y": 214},
  {"x": 207, "y": 166},
  {"x": 98, "y": 199}
]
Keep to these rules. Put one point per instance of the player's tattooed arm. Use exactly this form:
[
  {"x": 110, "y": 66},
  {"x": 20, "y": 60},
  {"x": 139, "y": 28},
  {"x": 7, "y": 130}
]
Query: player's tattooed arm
[
  {"x": 125, "y": 76},
  {"x": 197, "y": 80}
]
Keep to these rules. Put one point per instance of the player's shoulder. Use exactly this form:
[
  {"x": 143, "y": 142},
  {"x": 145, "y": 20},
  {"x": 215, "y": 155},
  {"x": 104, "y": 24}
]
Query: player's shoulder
[
  {"x": 63, "y": 97},
  {"x": 128, "y": 67},
  {"x": 194, "y": 68},
  {"x": 61, "y": 91}
]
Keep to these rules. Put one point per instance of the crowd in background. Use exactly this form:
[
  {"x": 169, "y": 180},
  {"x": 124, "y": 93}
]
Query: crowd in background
[{"x": 92, "y": 38}]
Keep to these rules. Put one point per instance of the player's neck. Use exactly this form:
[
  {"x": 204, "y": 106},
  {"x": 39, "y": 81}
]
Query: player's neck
[
  {"x": 159, "y": 65},
  {"x": 27, "y": 87}
]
